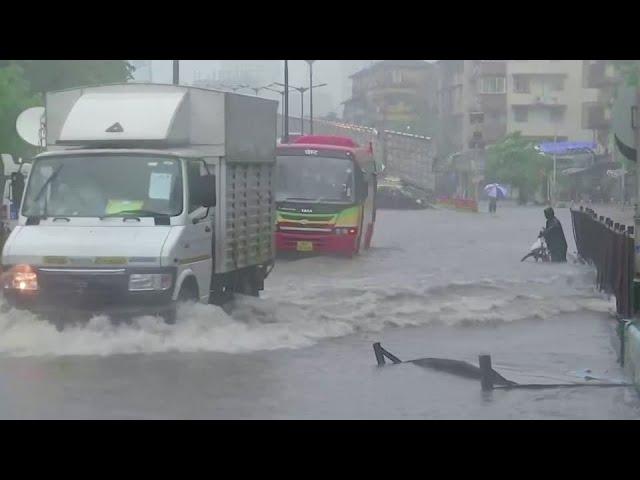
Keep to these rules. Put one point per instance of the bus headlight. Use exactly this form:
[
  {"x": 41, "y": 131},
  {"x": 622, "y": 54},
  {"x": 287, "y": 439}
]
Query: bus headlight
[
  {"x": 346, "y": 231},
  {"x": 22, "y": 278},
  {"x": 139, "y": 282}
]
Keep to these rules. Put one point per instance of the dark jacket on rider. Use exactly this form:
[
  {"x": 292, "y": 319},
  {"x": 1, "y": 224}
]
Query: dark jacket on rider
[{"x": 554, "y": 236}]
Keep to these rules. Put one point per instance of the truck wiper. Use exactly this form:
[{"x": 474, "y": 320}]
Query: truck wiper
[
  {"x": 301, "y": 198},
  {"x": 44, "y": 187},
  {"x": 135, "y": 213},
  {"x": 48, "y": 181}
]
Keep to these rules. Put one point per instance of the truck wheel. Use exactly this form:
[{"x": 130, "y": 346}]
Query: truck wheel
[
  {"x": 249, "y": 285},
  {"x": 188, "y": 293}
]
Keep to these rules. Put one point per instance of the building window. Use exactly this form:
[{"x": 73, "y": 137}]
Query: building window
[
  {"x": 396, "y": 76},
  {"x": 520, "y": 114},
  {"x": 492, "y": 85},
  {"x": 520, "y": 84}
]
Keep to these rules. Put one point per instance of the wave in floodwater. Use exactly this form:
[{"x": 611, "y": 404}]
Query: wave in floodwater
[{"x": 295, "y": 321}]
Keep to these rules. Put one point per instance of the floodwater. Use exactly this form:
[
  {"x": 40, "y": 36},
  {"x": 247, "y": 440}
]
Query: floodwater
[{"x": 435, "y": 284}]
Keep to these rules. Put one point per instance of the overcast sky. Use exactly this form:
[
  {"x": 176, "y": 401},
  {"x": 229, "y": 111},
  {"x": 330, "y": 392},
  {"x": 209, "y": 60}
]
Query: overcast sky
[{"x": 332, "y": 72}]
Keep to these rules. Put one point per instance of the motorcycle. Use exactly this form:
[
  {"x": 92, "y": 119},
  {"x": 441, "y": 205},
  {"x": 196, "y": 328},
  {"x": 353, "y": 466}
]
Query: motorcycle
[{"x": 538, "y": 251}]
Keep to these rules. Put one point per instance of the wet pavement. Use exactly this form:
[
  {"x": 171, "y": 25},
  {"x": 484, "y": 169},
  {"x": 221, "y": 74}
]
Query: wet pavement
[{"x": 435, "y": 284}]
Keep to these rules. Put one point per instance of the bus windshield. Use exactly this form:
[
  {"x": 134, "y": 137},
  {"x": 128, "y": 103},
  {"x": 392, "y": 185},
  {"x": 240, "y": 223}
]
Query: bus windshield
[
  {"x": 104, "y": 185},
  {"x": 315, "y": 179}
]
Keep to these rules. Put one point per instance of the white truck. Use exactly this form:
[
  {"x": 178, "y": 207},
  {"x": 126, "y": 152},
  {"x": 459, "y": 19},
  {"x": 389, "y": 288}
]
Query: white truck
[{"x": 146, "y": 195}]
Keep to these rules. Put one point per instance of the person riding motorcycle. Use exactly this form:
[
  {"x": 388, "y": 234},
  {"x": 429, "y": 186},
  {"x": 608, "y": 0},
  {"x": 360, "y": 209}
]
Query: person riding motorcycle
[{"x": 554, "y": 236}]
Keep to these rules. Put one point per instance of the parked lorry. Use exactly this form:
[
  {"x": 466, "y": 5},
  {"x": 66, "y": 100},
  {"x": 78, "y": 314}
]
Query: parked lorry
[{"x": 146, "y": 195}]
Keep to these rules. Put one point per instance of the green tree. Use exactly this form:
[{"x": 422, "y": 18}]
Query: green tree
[
  {"x": 516, "y": 162},
  {"x": 22, "y": 83},
  {"x": 47, "y": 75},
  {"x": 15, "y": 96}
]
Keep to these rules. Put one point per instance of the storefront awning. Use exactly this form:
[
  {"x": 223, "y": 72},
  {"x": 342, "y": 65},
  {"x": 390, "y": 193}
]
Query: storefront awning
[{"x": 566, "y": 148}]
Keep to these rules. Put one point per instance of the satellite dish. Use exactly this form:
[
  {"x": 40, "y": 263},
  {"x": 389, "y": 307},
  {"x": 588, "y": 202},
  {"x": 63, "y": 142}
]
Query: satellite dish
[{"x": 29, "y": 125}]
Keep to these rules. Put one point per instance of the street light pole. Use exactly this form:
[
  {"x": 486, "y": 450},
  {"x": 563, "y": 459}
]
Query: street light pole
[
  {"x": 176, "y": 72},
  {"x": 302, "y": 90},
  {"x": 635, "y": 120},
  {"x": 310, "y": 62},
  {"x": 555, "y": 141},
  {"x": 285, "y": 135}
]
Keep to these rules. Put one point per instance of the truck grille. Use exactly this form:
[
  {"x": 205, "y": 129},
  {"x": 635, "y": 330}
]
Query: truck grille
[
  {"x": 83, "y": 289},
  {"x": 291, "y": 217}
]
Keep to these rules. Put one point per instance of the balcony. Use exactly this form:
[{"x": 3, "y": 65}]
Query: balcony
[{"x": 551, "y": 99}]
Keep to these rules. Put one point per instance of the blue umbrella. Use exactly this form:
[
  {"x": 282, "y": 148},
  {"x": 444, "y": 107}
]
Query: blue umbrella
[{"x": 495, "y": 190}]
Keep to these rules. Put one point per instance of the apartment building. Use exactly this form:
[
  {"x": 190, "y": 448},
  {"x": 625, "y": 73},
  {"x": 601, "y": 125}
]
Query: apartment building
[
  {"x": 547, "y": 100},
  {"x": 472, "y": 104},
  {"x": 603, "y": 76},
  {"x": 543, "y": 99},
  {"x": 472, "y": 113},
  {"x": 345, "y": 71},
  {"x": 396, "y": 95}
]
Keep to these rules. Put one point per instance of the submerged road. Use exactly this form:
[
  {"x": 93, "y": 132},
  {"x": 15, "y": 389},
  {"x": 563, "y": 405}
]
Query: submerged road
[{"x": 435, "y": 284}]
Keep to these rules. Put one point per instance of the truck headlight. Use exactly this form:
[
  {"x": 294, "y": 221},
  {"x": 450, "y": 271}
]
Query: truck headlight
[
  {"x": 21, "y": 278},
  {"x": 139, "y": 282}
]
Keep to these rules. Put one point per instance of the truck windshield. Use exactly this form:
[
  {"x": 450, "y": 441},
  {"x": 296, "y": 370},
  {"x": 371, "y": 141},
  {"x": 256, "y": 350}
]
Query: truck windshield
[
  {"x": 104, "y": 185},
  {"x": 315, "y": 179}
]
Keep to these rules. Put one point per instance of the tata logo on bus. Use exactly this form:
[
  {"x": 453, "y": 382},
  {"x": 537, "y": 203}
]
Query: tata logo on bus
[
  {"x": 311, "y": 152},
  {"x": 306, "y": 210}
]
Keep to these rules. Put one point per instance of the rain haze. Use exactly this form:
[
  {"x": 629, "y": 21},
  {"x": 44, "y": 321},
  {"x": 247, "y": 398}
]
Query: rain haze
[{"x": 418, "y": 239}]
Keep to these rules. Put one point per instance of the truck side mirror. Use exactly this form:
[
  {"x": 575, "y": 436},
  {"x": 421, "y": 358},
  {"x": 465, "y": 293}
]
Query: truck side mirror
[
  {"x": 204, "y": 191},
  {"x": 208, "y": 191}
]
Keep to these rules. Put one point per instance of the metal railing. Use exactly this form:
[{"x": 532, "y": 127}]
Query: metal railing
[{"x": 609, "y": 246}]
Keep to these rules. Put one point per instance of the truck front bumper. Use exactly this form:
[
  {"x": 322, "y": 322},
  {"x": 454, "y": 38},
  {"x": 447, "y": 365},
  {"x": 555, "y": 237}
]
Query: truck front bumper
[
  {"x": 316, "y": 243},
  {"x": 76, "y": 294}
]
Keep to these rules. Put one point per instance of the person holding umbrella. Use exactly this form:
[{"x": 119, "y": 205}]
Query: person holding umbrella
[{"x": 494, "y": 191}]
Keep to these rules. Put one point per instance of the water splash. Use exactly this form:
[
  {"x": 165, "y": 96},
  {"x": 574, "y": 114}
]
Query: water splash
[{"x": 293, "y": 321}]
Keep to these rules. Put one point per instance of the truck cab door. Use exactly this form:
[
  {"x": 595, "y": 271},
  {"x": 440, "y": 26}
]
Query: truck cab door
[{"x": 197, "y": 252}]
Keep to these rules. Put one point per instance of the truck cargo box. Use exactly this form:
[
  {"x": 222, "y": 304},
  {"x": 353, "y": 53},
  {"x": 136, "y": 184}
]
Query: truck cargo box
[{"x": 237, "y": 127}]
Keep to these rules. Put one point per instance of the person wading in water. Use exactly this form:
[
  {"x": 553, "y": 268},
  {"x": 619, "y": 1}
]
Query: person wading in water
[{"x": 554, "y": 236}]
